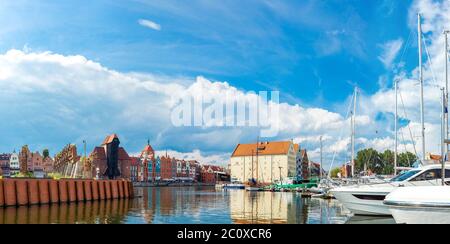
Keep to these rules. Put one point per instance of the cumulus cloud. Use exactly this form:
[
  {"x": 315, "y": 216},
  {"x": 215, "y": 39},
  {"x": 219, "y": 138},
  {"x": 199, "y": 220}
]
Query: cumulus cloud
[
  {"x": 149, "y": 24},
  {"x": 55, "y": 99}
]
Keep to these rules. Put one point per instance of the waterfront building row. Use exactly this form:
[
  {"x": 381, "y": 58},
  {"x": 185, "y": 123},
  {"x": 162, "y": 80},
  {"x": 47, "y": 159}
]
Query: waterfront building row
[{"x": 108, "y": 160}]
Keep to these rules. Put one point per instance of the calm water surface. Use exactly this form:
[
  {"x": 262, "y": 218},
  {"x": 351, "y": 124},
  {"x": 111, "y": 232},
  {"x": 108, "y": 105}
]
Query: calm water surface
[{"x": 193, "y": 205}]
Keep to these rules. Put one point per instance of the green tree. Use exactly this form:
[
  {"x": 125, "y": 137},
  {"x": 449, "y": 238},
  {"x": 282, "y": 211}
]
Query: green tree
[
  {"x": 369, "y": 158},
  {"x": 45, "y": 153},
  {"x": 387, "y": 161},
  {"x": 334, "y": 172},
  {"x": 406, "y": 159}
]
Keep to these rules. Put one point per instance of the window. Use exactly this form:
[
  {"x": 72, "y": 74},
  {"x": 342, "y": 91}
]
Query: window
[
  {"x": 432, "y": 174},
  {"x": 405, "y": 175}
]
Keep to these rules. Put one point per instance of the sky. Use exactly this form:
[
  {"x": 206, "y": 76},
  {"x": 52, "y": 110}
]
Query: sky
[{"x": 80, "y": 70}]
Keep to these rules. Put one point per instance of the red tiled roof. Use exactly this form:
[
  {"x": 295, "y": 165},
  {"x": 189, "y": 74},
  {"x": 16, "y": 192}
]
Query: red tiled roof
[
  {"x": 148, "y": 148},
  {"x": 264, "y": 148},
  {"x": 109, "y": 139}
]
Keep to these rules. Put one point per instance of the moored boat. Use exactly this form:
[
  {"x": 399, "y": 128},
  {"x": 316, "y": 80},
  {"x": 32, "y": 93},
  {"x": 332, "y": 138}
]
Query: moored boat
[
  {"x": 420, "y": 205},
  {"x": 368, "y": 199}
]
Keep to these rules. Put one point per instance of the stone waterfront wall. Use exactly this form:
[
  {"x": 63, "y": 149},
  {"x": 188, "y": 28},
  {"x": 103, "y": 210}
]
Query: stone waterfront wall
[{"x": 20, "y": 192}]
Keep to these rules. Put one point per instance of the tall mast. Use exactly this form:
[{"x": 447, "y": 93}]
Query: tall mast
[
  {"x": 443, "y": 136},
  {"x": 422, "y": 118},
  {"x": 446, "y": 82},
  {"x": 395, "y": 125},
  {"x": 353, "y": 120},
  {"x": 257, "y": 166},
  {"x": 321, "y": 158}
]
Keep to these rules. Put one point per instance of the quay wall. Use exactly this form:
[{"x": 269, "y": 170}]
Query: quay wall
[{"x": 23, "y": 192}]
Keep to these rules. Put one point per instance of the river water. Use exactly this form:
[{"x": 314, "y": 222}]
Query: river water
[{"x": 192, "y": 205}]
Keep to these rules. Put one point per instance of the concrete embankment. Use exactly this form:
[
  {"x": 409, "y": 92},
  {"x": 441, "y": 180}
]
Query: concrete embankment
[{"x": 22, "y": 192}]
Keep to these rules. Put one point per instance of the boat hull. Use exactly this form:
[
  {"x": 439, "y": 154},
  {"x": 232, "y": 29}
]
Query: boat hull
[
  {"x": 420, "y": 215},
  {"x": 233, "y": 187},
  {"x": 420, "y": 205},
  {"x": 360, "y": 206},
  {"x": 251, "y": 188}
]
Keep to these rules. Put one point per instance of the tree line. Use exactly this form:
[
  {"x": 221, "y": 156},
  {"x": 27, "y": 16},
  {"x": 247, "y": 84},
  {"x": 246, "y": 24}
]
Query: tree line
[{"x": 381, "y": 163}]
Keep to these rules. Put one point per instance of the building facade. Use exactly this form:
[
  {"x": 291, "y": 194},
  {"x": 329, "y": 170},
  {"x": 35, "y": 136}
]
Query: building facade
[
  {"x": 211, "y": 174},
  {"x": 5, "y": 169},
  {"x": 168, "y": 168},
  {"x": 110, "y": 161},
  {"x": 264, "y": 162},
  {"x": 14, "y": 163}
]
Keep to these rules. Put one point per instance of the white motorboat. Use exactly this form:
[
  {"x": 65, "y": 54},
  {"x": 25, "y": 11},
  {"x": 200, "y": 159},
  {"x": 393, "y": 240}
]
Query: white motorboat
[
  {"x": 368, "y": 199},
  {"x": 234, "y": 184},
  {"x": 420, "y": 205}
]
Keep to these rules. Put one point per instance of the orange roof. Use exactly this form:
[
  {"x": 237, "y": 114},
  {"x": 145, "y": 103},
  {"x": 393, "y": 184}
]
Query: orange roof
[
  {"x": 109, "y": 139},
  {"x": 296, "y": 147},
  {"x": 435, "y": 157},
  {"x": 264, "y": 148}
]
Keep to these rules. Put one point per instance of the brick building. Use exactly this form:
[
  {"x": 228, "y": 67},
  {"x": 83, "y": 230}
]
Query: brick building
[
  {"x": 211, "y": 174},
  {"x": 4, "y": 165},
  {"x": 168, "y": 168},
  {"x": 109, "y": 160}
]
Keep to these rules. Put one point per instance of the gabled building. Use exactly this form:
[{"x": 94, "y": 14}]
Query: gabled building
[
  {"x": 302, "y": 162},
  {"x": 14, "y": 164},
  {"x": 135, "y": 169},
  {"x": 265, "y": 162},
  {"x": 147, "y": 162},
  {"x": 110, "y": 161},
  {"x": 168, "y": 168}
]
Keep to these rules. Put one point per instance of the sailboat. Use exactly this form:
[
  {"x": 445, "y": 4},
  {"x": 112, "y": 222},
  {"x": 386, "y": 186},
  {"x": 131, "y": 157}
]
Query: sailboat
[
  {"x": 368, "y": 199},
  {"x": 430, "y": 204},
  {"x": 253, "y": 184}
]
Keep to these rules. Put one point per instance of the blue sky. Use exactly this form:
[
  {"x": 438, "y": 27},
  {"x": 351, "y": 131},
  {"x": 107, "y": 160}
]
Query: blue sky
[
  {"x": 310, "y": 50},
  {"x": 313, "y": 52}
]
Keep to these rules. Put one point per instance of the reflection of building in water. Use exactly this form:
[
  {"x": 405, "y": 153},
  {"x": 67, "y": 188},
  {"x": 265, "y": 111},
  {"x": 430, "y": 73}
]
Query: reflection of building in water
[{"x": 263, "y": 208}]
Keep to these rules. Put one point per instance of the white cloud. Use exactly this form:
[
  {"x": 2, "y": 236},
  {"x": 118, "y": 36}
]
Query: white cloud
[
  {"x": 76, "y": 98},
  {"x": 390, "y": 51},
  {"x": 216, "y": 159},
  {"x": 149, "y": 24}
]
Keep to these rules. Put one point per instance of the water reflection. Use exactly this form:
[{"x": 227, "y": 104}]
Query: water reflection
[
  {"x": 190, "y": 205},
  {"x": 98, "y": 212},
  {"x": 283, "y": 208}
]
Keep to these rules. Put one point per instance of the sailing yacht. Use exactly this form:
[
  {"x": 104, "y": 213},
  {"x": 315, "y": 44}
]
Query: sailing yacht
[{"x": 368, "y": 199}]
